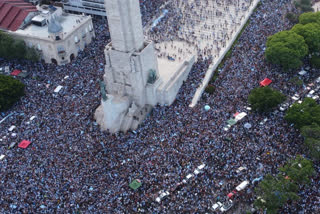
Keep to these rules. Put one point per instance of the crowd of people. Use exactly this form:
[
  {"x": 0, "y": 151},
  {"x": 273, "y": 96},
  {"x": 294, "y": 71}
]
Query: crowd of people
[
  {"x": 72, "y": 166},
  {"x": 206, "y": 26}
]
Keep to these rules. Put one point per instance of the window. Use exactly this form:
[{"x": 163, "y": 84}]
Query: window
[{"x": 61, "y": 50}]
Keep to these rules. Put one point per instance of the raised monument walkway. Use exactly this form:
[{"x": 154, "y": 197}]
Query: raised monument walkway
[
  {"x": 218, "y": 60},
  {"x": 206, "y": 28}
]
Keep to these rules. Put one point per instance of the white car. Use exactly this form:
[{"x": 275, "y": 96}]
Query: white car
[
  {"x": 263, "y": 122},
  {"x": 284, "y": 106},
  {"x": 315, "y": 97},
  {"x": 318, "y": 80},
  {"x": 216, "y": 206},
  {"x": 227, "y": 206},
  {"x": 310, "y": 93},
  {"x": 162, "y": 195},
  {"x": 302, "y": 72},
  {"x": 240, "y": 169},
  {"x": 295, "y": 97}
]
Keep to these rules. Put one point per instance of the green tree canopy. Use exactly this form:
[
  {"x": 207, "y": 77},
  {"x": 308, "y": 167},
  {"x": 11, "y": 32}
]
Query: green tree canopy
[
  {"x": 286, "y": 49},
  {"x": 304, "y": 114},
  {"x": 299, "y": 170},
  {"x": 16, "y": 49},
  {"x": 265, "y": 99},
  {"x": 304, "y": 5},
  {"x": 310, "y": 17},
  {"x": 311, "y": 35},
  {"x": 274, "y": 192},
  {"x": 313, "y": 144},
  {"x": 10, "y": 91},
  {"x": 312, "y": 139}
]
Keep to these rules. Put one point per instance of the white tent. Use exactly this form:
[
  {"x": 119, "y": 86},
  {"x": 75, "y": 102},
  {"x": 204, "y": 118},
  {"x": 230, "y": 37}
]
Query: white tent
[
  {"x": 189, "y": 176},
  {"x": 240, "y": 116},
  {"x": 11, "y": 128},
  {"x": 58, "y": 89},
  {"x": 242, "y": 186}
]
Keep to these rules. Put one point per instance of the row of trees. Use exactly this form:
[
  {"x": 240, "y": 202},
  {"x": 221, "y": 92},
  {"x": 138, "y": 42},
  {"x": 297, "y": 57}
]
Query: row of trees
[
  {"x": 288, "y": 48},
  {"x": 10, "y": 91},
  {"x": 306, "y": 118},
  {"x": 275, "y": 191},
  {"x": 11, "y": 48}
]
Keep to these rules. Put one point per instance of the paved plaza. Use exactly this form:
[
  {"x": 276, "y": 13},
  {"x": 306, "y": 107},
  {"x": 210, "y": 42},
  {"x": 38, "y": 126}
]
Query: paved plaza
[{"x": 203, "y": 28}]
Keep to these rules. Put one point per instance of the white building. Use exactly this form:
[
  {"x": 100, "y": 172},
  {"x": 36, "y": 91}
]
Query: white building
[
  {"x": 93, "y": 7},
  {"x": 57, "y": 35}
]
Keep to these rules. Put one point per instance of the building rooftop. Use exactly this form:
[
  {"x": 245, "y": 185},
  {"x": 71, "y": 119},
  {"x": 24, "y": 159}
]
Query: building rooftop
[
  {"x": 13, "y": 13},
  {"x": 68, "y": 23}
]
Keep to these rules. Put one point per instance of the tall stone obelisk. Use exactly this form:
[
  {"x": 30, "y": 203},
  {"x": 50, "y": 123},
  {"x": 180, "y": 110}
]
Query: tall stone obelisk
[
  {"x": 131, "y": 72},
  {"x": 125, "y": 24},
  {"x": 132, "y": 84}
]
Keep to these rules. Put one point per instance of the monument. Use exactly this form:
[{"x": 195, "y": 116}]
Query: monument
[{"x": 133, "y": 83}]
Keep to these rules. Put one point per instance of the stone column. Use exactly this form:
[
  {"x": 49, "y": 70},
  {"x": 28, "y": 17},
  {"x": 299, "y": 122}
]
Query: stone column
[{"x": 124, "y": 19}]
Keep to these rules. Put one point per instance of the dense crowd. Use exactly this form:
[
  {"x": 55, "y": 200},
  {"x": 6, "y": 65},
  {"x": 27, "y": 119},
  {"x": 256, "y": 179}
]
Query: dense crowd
[{"x": 72, "y": 166}]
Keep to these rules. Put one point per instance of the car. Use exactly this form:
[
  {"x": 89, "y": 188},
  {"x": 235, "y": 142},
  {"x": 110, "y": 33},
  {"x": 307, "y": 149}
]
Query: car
[
  {"x": 310, "y": 93},
  {"x": 317, "y": 88},
  {"x": 302, "y": 72},
  {"x": 215, "y": 206},
  {"x": 162, "y": 195},
  {"x": 295, "y": 97},
  {"x": 263, "y": 122},
  {"x": 300, "y": 101},
  {"x": 227, "y": 206},
  {"x": 318, "y": 80},
  {"x": 316, "y": 97},
  {"x": 241, "y": 169},
  {"x": 284, "y": 106}
]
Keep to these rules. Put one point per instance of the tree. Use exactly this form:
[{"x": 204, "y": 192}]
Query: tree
[
  {"x": 315, "y": 61},
  {"x": 310, "y": 17},
  {"x": 274, "y": 192},
  {"x": 311, "y": 136},
  {"x": 10, "y": 91},
  {"x": 286, "y": 49},
  {"x": 304, "y": 114},
  {"x": 298, "y": 170},
  {"x": 265, "y": 99},
  {"x": 16, "y": 49},
  {"x": 313, "y": 144},
  {"x": 5, "y": 44},
  {"x": 311, "y": 34},
  {"x": 210, "y": 89},
  {"x": 293, "y": 18},
  {"x": 304, "y": 5},
  {"x": 32, "y": 54}
]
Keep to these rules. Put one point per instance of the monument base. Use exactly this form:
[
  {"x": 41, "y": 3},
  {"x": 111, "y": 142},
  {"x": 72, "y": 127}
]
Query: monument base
[
  {"x": 125, "y": 112},
  {"x": 119, "y": 114}
]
